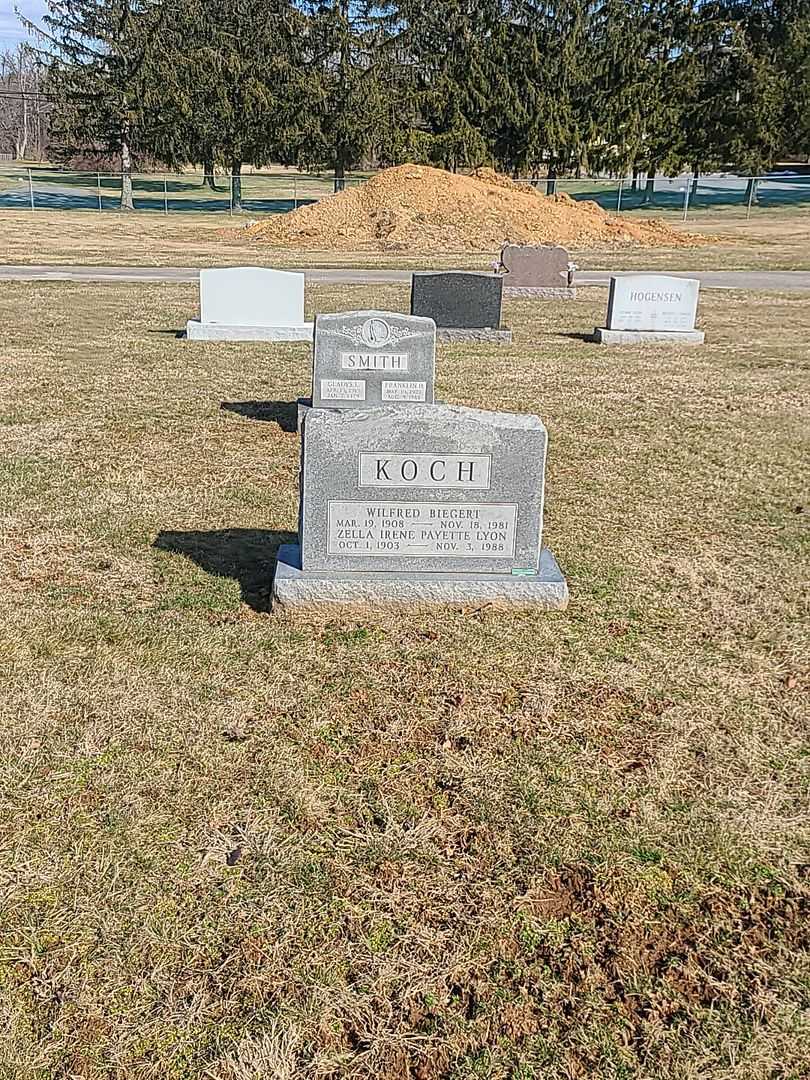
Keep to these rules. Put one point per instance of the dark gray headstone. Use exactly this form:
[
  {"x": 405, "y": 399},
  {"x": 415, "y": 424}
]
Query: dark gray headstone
[{"x": 456, "y": 299}]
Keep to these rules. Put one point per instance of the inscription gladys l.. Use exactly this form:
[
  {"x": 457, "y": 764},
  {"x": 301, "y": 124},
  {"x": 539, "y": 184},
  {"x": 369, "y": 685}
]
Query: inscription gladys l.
[
  {"x": 343, "y": 389},
  {"x": 363, "y": 361},
  {"x": 470, "y": 471},
  {"x": 422, "y": 530}
]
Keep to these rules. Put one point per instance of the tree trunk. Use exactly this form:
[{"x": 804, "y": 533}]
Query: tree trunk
[
  {"x": 209, "y": 180},
  {"x": 126, "y": 176},
  {"x": 751, "y": 192},
  {"x": 695, "y": 181},
  {"x": 649, "y": 188},
  {"x": 634, "y": 185},
  {"x": 236, "y": 185},
  {"x": 340, "y": 172},
  {"x": 551, "y": 180}
]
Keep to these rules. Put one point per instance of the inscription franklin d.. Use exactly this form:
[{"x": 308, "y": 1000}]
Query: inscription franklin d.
[
  {"x": 471, "y": 471},
  {"x": 461, "y": 530}
]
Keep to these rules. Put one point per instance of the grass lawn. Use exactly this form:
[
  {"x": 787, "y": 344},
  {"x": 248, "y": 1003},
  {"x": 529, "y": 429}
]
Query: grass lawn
[
  {"x": 443, "y": 847},
  {"x": 777, "y": 239}
]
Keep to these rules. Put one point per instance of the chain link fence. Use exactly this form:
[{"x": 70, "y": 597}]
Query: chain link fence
[{"x": 41, "y": 188}]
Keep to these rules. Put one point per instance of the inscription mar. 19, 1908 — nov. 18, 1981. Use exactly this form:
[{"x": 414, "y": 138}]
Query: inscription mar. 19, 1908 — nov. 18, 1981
[{"x": 422, "y": 503}]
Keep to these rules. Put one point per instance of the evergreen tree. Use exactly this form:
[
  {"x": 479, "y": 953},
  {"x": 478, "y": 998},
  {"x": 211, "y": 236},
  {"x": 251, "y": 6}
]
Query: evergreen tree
[
  {"x": 234, "y": 87},
  {"x": 547, "y": 90},
  {"x": 101, "y": 58},
  {"x": 350, "y": 90},
  {"x": 455, "y": 49}
]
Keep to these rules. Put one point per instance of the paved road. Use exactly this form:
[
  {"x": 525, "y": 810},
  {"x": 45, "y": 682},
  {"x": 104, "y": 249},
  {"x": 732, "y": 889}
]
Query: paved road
[{"x": 709, "y": 279}]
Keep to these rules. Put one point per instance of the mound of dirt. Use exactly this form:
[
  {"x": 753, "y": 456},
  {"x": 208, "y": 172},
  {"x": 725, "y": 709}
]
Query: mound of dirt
[{"x": 417, "y": 209}]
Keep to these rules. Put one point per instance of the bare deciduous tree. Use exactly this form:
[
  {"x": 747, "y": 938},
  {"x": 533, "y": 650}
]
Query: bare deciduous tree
[{"x": 23, "y": 108}]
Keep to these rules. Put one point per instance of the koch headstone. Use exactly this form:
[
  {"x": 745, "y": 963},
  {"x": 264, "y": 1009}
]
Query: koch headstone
[
  {"x": 537, "y": 271},
  {"x": 651, "y": 307},
  {"x": 369, "y": 358},
  {"x": 420, "y": 504},
  {"x": 250, "y": 303},
  {"x": 466, "y": 307}
]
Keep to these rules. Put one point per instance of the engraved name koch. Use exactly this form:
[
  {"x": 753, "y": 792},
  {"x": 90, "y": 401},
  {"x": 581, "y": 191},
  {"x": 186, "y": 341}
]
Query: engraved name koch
[{"x": 470, "y": 471}]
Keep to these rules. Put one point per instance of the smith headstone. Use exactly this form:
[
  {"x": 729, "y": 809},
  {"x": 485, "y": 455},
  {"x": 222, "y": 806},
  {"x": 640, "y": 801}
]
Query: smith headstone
[
  {"x": 372, "y": 358},
  {"x": 250, "y": 303},
  {"x": 421, "y": 504},
  {"x": 537, "y": 271},
  {"x": 651, "y": 307},
  {"x": 466, "y": 307}
]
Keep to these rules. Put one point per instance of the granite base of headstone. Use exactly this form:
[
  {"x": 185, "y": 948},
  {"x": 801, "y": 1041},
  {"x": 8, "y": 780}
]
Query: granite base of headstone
[
  {"x": 651, "y": 308},
  {"x": 420, "y": 505},
  {"x": 250, "y": 303},
  {"x": 537, "y": 272},
  {"x": 465, "y": 306}
]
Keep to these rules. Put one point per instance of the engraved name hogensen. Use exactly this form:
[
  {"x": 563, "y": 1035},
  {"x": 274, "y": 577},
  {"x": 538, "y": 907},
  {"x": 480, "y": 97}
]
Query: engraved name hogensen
[{"x": 416, "y": 488}]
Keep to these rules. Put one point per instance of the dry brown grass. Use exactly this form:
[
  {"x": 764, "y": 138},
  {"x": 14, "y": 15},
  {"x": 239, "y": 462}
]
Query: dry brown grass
[
  {"x": 771, "y": 240},
  {"x": 455, "y": 846}
]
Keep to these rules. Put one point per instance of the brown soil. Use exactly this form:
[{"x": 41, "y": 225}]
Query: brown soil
[{"x": 414, "y": 208}]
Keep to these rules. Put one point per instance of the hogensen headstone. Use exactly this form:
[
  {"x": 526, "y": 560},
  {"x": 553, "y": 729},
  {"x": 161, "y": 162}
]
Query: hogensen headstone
[
  {"x": 537, "y": 271},
  {"x": 365, "y": 358},
  {"x": 421, "y": 503},
  {"x": 466, "y": 307},
  {"x": 651, "y": 307},
  {"x": 250, "y": 303}
]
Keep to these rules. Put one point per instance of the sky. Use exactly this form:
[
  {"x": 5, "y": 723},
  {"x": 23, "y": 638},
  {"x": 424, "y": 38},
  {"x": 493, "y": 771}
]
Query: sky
[{"x": 12, "y": 30}]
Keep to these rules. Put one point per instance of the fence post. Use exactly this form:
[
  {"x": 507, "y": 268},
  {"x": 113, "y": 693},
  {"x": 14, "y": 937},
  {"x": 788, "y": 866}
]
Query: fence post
[
  {"x": 230, "y": 185},
  {"x": 98, "y": 189},
  {"x": 619, "y": 197},
  {"x": 31, "y": 189},
  {"x": 685, "y": 201},
  {"x": 752, "y": 187},
  {"x": 295, "y": 193},
  {"x": 165, "y": 195}
]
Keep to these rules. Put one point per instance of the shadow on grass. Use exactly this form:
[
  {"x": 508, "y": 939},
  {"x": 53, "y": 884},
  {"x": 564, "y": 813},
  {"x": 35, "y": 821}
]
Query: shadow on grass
[
  {"x": 589, "y": 338},
  {"x": 246, "y": 555},
  {"x": 283, "y": 413},
  {"x": 168, "y": 333}
]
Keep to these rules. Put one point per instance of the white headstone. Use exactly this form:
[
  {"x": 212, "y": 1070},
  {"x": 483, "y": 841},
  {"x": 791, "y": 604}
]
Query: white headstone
[
  {"x": 251, "y": 296},
  {"x": 652, "y": 302}
]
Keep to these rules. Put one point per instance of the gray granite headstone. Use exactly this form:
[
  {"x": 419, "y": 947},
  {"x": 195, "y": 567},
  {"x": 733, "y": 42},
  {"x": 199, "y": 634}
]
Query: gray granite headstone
[
  {"x": 458, "y": 300},
  {"x": 403, "y": 506},
  {"x": 415, "y": 488},
  {"x": 368, "y": 358}
]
